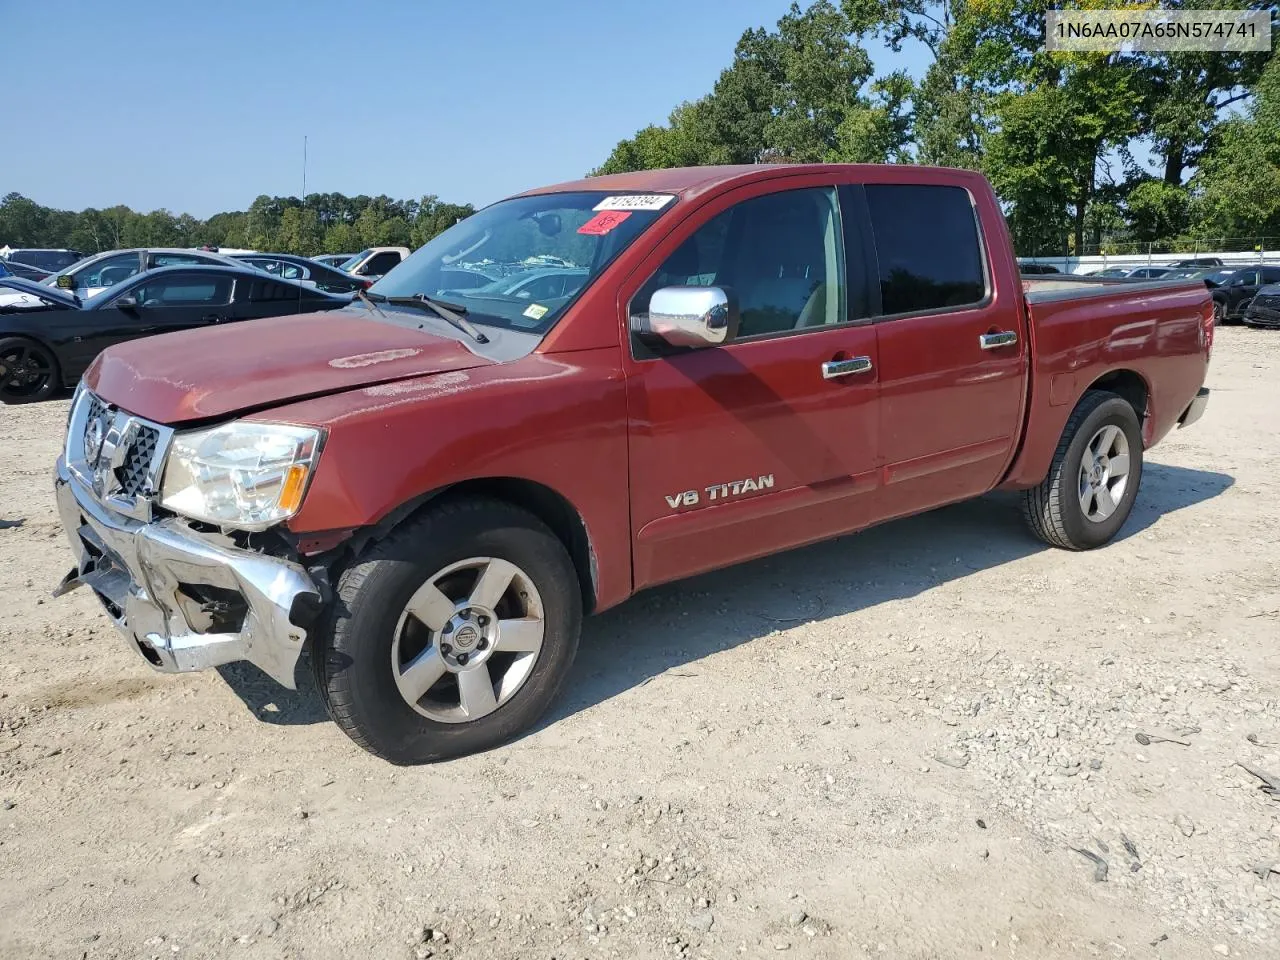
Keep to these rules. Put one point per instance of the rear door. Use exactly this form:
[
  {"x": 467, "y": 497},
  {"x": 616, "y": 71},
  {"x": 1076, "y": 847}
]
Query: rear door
[
  {"x": 181, "y": 301},
  {"x": 953, "y": 351},
  {"x": 767, "y": 442}
]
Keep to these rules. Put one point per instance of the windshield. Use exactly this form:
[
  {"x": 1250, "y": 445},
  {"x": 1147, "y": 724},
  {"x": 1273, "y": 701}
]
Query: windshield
[
  {"x": 353, "y": 261},
  {"x": 536, "y": 254}
]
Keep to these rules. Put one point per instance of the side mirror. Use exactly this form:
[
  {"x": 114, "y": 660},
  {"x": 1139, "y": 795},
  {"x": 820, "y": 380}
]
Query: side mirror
[
  {"x": 692, "y": 316},
  {"x": 127, "y": 302},
  {"x": 65, "y": 282}
]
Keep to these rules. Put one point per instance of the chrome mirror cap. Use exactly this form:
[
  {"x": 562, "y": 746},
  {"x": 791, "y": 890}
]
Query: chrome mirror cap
[{"x": 693, "y": 316}]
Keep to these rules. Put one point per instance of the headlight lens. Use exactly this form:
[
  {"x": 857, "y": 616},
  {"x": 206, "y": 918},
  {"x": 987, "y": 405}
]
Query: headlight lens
[{"x": 241, "y": 474}]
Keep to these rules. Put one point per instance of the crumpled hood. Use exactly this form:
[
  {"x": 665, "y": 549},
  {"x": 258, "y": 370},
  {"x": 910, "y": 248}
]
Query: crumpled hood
[{"x": 217, "y": 371}]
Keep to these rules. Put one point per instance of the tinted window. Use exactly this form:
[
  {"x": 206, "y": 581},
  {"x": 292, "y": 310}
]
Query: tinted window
[
  {"x": 50, "y": 260},
  {"x": 1271, "y": 274},
  {"x": 783, "y": 254},
  {"x": 381, "y": 263},
  {"x": 927, "y": 243},
  {"x": 183, "y": 290}
]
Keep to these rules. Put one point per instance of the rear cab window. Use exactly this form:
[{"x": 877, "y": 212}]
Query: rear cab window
[{"x": 928, "y": 247}]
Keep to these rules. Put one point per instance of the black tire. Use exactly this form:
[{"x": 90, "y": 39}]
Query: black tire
[
  {"x": 352, "y": 645},
  {"x": 1053, "y": 509},
  {"x": 22, "y": 359}
]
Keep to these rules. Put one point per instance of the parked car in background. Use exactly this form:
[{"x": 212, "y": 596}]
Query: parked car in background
[
  {"x": 305, "y": 271},
  {"x": 1264, "y": 308},
  {"x": 1036, "y": 268},
  {"x": 1233, "y": 293},
  {"x": 16, "y": 268},
  {"x": 374, "y": 262},
  {"x": 431, "y": 495},
  {"x": 92, "y": 275},
  {"x": 44, "y": 258},
  {"x": 47, "y": 342},
  {"x": 1198, "y": 262},
  {"x": 1111, "y": 273},
  {"x": 1148, "y": 273},
  {"x": 333, "y": 259}
]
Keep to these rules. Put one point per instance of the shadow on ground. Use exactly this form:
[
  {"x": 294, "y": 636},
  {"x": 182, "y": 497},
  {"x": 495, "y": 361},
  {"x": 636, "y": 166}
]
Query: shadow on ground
[{"x": 668, "y": 626}]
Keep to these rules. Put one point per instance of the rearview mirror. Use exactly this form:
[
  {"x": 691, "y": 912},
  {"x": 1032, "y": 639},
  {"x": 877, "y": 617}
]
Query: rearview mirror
[
  {"x": 692, "y": 316},
  {"x": 65, "y": 282},
  {"x": 127, "y": 302}
]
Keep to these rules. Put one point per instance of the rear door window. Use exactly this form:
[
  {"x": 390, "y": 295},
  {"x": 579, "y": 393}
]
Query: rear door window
[{"x": 928, "y": 247}]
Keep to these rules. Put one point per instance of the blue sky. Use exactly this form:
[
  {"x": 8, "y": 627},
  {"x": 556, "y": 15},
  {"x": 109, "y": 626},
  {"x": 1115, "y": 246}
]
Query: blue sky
[{"x": 201, "y": 106}]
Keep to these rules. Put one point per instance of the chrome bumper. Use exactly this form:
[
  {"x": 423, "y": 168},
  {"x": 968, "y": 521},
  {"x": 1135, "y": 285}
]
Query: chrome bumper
[
  {"x": 1195, "y": 409},
  {"x": 144, "y": 573}
]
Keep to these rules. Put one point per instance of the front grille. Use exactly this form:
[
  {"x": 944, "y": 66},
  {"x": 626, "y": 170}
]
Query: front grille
[
  {"x": 132, "y": 474},
  {"x": 102, "y": 436}
]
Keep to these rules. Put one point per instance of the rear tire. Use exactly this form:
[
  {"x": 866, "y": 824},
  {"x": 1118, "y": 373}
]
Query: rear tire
[
  {"x": 418, "y": 661},
  {"x": 28, "y": 371},
  {"x": 1093, "y": 480}
]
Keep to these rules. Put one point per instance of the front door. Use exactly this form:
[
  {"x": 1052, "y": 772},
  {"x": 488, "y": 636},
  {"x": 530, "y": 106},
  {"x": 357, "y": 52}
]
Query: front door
[
  {"x": 767, "y": 442},
  {"x": 953, "y": 352}
]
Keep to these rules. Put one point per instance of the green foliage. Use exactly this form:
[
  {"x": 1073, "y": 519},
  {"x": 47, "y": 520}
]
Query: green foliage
[
  {"x": 1238, "y": 184},
  {"x": 318, "y": 223},
  {"x": 1056, "y": 133},
  {"x": 802, "y": 93}
]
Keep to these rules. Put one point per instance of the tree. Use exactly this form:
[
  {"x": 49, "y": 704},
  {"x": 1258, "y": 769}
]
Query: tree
[
  {"x": 1237, "y": 189},
  {"x": 800, "y": 93}
]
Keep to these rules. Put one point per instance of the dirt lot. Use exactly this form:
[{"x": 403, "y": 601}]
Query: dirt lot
[{"x": 886, "y": 746}]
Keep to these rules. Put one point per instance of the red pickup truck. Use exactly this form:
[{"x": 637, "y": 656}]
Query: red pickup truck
[{"x": 586, "y": 390}]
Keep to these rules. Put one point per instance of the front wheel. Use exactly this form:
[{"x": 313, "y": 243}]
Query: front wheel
[
  {"x": 28, "y": 371},
  {"x": 452, "y": 635},
  {"x": 1093, "y": 481}
]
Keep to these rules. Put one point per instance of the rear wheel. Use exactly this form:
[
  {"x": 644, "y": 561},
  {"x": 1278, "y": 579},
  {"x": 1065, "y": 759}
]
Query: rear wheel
[
  {"x": 452, "y": 635},
  {"x": 1219, "y": 312},
  {"x": 28, "y": 371},
  {"x": 1093, "y": 481}
]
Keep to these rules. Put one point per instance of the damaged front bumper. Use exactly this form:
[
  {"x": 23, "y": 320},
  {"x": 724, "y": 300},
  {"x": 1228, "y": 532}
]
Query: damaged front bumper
[{"x": 183, "y": 602}]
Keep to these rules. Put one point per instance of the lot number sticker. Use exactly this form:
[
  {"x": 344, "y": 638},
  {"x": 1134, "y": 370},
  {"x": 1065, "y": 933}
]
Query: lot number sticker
[
  {"x": 636, "y": 201},
  {"x": 602, "y": 223}
]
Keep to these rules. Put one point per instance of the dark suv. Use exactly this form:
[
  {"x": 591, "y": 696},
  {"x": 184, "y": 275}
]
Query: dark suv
[
  {"x": 49, "y": 260},
  {"x": 1232, "y": 296}
]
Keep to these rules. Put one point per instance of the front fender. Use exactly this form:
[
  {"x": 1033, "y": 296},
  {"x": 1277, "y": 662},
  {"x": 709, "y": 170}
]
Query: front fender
[{"x": 555, "y": 420}]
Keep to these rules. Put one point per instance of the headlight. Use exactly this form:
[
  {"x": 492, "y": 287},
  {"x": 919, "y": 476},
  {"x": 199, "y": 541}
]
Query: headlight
[{"x": 241, "y": 474}]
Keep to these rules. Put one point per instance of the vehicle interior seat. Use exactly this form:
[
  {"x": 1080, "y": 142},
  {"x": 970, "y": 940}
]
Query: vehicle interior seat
[{"x": 779, "y": 264}]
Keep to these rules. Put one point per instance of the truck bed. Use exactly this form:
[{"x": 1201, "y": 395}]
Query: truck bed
[{"x": 1149, "y": 337}]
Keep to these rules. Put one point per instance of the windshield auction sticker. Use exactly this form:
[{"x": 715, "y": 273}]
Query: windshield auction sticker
[
  {"x": 603, "y": 222},
  {"x": 635, "y": 201},
  {"x": 1156, "y": 30}
]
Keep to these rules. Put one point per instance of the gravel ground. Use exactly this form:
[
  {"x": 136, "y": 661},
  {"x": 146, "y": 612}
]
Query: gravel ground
[{"x": 916, "y": 742}]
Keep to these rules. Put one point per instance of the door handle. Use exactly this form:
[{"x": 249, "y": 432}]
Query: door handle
[
  {"x": 991, "y": 341},
  {"x": 843, "y": 368}
]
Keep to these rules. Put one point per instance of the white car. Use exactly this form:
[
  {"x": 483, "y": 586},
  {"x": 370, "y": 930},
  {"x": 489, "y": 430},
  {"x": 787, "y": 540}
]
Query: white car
[
  {"x": 94, "y": 274},
  {"x": 375, "y": 261}
]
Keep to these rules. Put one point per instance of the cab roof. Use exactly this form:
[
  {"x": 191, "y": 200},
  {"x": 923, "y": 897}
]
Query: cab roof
[{"x": 687, "y": 182}]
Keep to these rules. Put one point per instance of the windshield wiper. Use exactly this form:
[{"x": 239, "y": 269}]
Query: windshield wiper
[
  {"x": 367, "y": 300},
  {"x": 450, "y": 312}
]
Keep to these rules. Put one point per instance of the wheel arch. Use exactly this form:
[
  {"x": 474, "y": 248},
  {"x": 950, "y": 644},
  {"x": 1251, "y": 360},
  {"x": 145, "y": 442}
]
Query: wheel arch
[
  {"x": 1127, "y": 384},
  {"x": 547, "y": 504}
]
